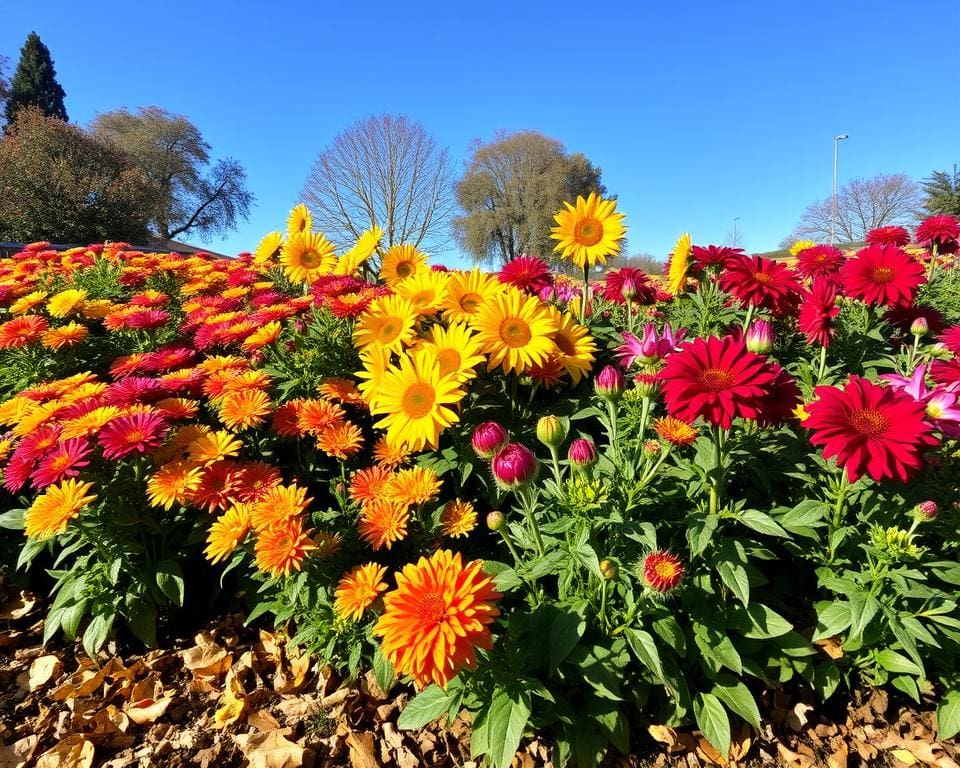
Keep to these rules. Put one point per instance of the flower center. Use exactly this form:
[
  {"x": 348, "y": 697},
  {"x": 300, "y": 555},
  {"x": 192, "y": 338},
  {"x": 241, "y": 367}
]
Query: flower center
[
  {"x": 449, "y": 360},
  {"x": 665, "y": 570},
  {"x": 418, "y": 400},
  {"x": 389, "y": 330},
  {"x": 422, "y": 298},
  {"x": 716, "y": 379},
  {"x": 136, "y": 436},
  {"x": 312, "y": 259},
  {"x": 565, "y": 345},
  {"x": 934, "y": 411},
  {"x": 469, "y": 302},
  {"x": 432, "y": 609},
  {"x": 60, "y": 463},
  {"x": 762, "y": 277},
  {"x": 588, "y": 231},
  {"x": 405, "y": 268},
  {"x": 515, "y": 332},
  {"x": 869, "y": 422},
  {"x": 884, "y": 274}
]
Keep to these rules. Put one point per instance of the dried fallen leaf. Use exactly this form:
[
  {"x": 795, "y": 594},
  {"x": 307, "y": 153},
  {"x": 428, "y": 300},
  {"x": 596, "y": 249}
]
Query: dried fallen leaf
[
  {"x": 831, "y": 646},
  {"x": 206, "y": 659},
  {"x": 271, "y": 750},
  {"x": 19, "y": 753},
  {"x": 19, "y": 606},
  {"x": 232, "y": 703},
  {"x": 42, "y": 671},
  {"x": 73, "y": 752},
  {"x": 904, "y": 756},
  {"x": 148, "y": 710},
  {"x": 262, "y": 720},
  {"x": 797, "y": 717},
  {"x": 361, "y": 750},
  {"x": 675, "y": 742},
  {"x": 838, "y": 759},
  {"x": 707, "y": 752}
]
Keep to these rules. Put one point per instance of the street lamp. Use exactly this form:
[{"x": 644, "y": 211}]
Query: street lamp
[{"x": 833, "y": 213}]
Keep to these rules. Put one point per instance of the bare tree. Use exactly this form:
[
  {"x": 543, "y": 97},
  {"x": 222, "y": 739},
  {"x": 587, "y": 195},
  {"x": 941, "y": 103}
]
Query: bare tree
[
  {"x": 385, "y": 170},
  {"x": 862, "y": 205}
]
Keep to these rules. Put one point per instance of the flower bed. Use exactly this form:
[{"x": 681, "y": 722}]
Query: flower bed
[{"x": 559, "y": 513}]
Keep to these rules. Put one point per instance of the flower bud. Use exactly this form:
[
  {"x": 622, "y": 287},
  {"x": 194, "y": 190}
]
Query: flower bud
[
  {"x": 760, "y": 337},
  {"x": 609, "y": 383},
  {"x": 551, "y": 431},
  {"x": 514, "y": 466},
  {"x": 495, "y": 520},
  {"x": 609, "y": 569},
  {"x": 662, "y": 571},
  {"x": 926, "y": 510},
  {"x": 629, "y": 289},
  {"x": 920, "y": 327},
  {"x": 647, "y": 384},
  {"x": 488, "y": 439},
  {"x": 651, "y": 448},
  {"x": 582, "y": 453}
]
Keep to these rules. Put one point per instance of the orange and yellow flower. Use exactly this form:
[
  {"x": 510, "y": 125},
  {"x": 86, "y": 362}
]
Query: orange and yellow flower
[
  {"x": 52, "y": 511},
  {"x": 358, "y": 590},
  {"x": 282, "y": 548}
]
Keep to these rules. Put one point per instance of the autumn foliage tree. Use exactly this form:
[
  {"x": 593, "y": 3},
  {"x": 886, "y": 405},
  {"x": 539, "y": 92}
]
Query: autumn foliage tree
[
  {"x": 60, "y": 184},
  {"x": 510, "y": 191}
]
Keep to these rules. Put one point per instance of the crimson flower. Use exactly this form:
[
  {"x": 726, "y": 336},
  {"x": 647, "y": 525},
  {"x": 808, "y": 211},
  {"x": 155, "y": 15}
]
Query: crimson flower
[
  {"x": 942, "y": 230},
  {"x": 946, "y": 373},
  {"x": 66, "y": 460},
  {"x": 950, "y": 338},
  {"x": 820, "y": 261},
  {"x": 713, "y": 254},
  {"x": 716, "y": 378},
  {"x": 870, "y": 429},
  {"x": 528, "y": 273},
  {"x": 662, "y": 571},
  {"x": 883, "y": 275},
  {"x": 818, "y": 307},
  {"x": 897, "y": 236},
  {"x": 630, "y": 282},
  {"x": 761, "y": 282},
  {"x": 781, "y": 399},
  {"x": 134, "y": 433}
]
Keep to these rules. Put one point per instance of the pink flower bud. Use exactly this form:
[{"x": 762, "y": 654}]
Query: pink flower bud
[
  {"x": 582, "y": 453},
  {"x": 760, "y": 337},
  {"x": 489, "y": 438},
  {"x": 609, "y": 383},
  {"x": 646, "y": 384},
  {"x": 920, "y": 327},
  {"x": 927, "y": 509},
  {"x": 514, "y": 466}
]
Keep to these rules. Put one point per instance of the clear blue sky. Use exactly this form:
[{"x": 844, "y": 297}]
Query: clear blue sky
[{"x": 697, "y": 112}]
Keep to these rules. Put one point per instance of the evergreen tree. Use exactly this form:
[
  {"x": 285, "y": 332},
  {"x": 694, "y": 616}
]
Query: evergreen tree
[
  {"x": 35, "y": 83},
  {"x": 943, "y": 192}
]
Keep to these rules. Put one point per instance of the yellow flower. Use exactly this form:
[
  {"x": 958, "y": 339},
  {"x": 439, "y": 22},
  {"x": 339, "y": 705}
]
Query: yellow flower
[
  {"x": 800, "y": 412},
  {"x": 515, "y": 331},
  {"x": 575, "y": 346},
  {"x": 358, "y": 590},
  {"x": 65, "y": 302},
  {"x": 26, "y": 303},
  {"x": 458, "y": 518},
  {"x": 402, "y": 261},
  {"x": 415, "y": 400},
  {"x": 213, "y": 446},
  {"x": 56, "y": 507},
  {"x": 350, "y": 262},
  {"x": 588, "y": 232},
  {"x": 226, "y": 532},
  {"x": 801, "y": 245},
  {"x": 269, "y": 248},
  {"x": 307, "y": 256},
  {"x": 425, "y": 291},
  {"x": 64, "y": 336},
  {"x": 299, "y": 221},
  {"x": 375, "y": 360},
  {"x": 172, "y": 483},
  {"x": 467, "y": 292},
  {"x": 387, "y": 323},
  {"x": 679, "y": 263},
  {"x": 457, "y": 349}
]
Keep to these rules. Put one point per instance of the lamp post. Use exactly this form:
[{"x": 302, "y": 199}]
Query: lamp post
[{"x": 833, "y": 212}]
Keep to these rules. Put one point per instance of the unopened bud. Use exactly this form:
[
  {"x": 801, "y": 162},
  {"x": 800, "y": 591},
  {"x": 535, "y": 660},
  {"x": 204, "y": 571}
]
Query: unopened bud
[
  {"x": 609, "y": 569},
  {"x": 495, "y": 520},
  {"x": 920, "y": 327},
  {"x": 760, "y": 337},
  {"x": 551, "y": 431},
  {"x": 926, "y": 510},
  {"x": 609, "y": 383}
]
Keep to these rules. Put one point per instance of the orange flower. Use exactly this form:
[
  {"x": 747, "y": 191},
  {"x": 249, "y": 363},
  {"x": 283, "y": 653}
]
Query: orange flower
[
  {"x": 674, "y": 431},
  {"x": 413, "y": 486},
  {"x": 358, "y": 590},
  {"x": 383, "y": 522},
  {"x": 173, "y": 483},
  {"x": 437, "y": 617},
  {"x": 244, "y": 409},
  {"x": 340, "y": 440},
  {"x": 340, "y": 388},
  {"x": 278, "y": 504},
  {"x": 283, "y": 547},
  {"x": 21, "y": 331},
  {"x": 214, "y": 446},
  {"x": 227, "y": 532},
  {"x": 57, "y": 506},
  {"x": 267, "y": 334},
  {"x": 458, "y": 518},
  {"x": 317, "y": 415},
  {"x": 389, "y": 455},
  {"x": 64, "y": 336},
  {"x": 367, "y": 484}
]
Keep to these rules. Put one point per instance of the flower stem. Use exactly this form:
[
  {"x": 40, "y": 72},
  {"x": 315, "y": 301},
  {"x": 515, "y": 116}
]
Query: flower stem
[
  {"x": 527, "y": 504},
  {"x": 586, "y": 294},
  {"x": 933, "y": 261},
  {"x": 748, "y": 318},
  {"x": 718, "y": 470},
  {"x": 838, "y": 511},
  {"x": 555, "y": 462},
  {"x": 823, "y": 363},
  {"x": 603, "y": 602},
  {"x": 630, "y": 315},
  {"x": 612, "y": 417},
  {"x": 510, "y": 545}
]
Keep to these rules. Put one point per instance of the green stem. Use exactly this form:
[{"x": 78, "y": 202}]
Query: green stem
[
  {"x": 912, "y": 354},
  {"x": 510, "y": 545},
  {"x": 630, "y": 315},
  {"x": 838, "y": 511},
  {"x": 933, "y": 262},
  {"x": 555, "y": 463},
  {"x": 586, "y": 294},
  {"x": 527, "y": 504},
  {"x": 612, "y": 417},
  {"x": 652, "y": 471},
  {"x": 603, "y": 602},
  {"x": 718, "y": 466},
  {"x": 823, "y": 363},
  {"x": 748, "y": 318}
]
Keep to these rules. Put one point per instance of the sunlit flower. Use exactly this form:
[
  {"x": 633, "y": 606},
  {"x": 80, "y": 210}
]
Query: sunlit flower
[
  {"x": 358, "y": 590},
  {"x": 818, "y": 308},
  {"x": 368, "y": 484},
  {"x": 762, "y": 283},
  {"x": 265, "y": 334},
  {"x": 515, "y": 331},
  {"x": 390, "y": 455},
  {"x": 674, "y": 431},
  {"x": 244, "y": 409},
  {"x": 458, "y": 518},
  {"x": 340, "y": 440},
  {"x": 299, "y": 221},
  {"x": 66, "y": 302},
  {"x": 226, "y": 533},
  {"x": 408, "y": 487},
  {"x": 307, "y": 256},
  {"x": 56, "y": 507},
  {"x": 279, "y": 503},
  {"x": 589, "y": 231},
  {"x": 283, "y": 547},
  {"x": 269, "y": 248},
  {"x": 214, "y": 446},
  {"x": 820, "y": 261},
  {"x": 526, "y": 273},
  {"x": 135, "y": 433},
  {"x": 402, "y": 261},
  {"x": 383, "y": 522},
  {"x": 366, "y": 244},
  {"x": 575, "y": 347},
  {"x": 678, "y": 264},
  {"x": 467, "y": 292},
  {"x": 425, "y": 291},
  {"x": 883, "y": 274},
  {"x": 65, "y": 460},
  {"x": 388, "y": 323},
  {"x": 457, "y": 349},
  {"x": 662, "y": 571},
  {"x": 172, "y": 483},
  {"x": 22, "y": 331}
]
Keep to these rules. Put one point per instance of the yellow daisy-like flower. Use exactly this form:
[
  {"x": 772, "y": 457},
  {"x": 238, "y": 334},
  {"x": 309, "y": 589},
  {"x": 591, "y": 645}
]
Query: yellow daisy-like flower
[
  {"x": 375, "y": 360},
  {"x": 307, "y": 256},
  {"x": 515, "y": 331},
  {"x": 409, "y": 487},
  {"x": 575, "y": 346},
  {"x": 66, "y": 302},
  {"x": 269, "y": 248},
  {"x": 382, "y": 523},
  {"x": 280, "y": 503},
  {"x": 416, "y": 401},
  {"x": 172, "y": 483},
  {"x": 679, "y": 264},
  {"x": 801, "y": 245},
  {"x": 56, "y": 507},
  {"x": 390, "y": 455},
  {"x": 64, "y": 336},
  {"x": 214, "y": 446},
  {"x": 466, "y": 293},
  {"x": 588, "y": 232},
  {"x": 350, "y": 262},
  {"x": 90, "y": 423},
  {"x": 388, "y": 323},
  {"x": 299, "y": 221},
  {"x": 358, "y": 590},
  {"x": 402, "y": 261},
  {"x": 244, "y": 409},
  {"x": 27, "y": 303},
  {"x": 458, "y": 518},
  {"x": 266, "y": 334},
  {"x": 97, "y": 309},
  {"x": 226, "y": 532},
  {"x": 457, "y": 348},
  {"x": 425, "y": 291}
]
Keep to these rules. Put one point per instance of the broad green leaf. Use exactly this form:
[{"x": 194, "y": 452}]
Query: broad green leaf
[
  {"x": 565, "y": 633},
  {"x": 826, "y": 679},
  {"x": 766, "y": 622},
  {"x": 668, "y": 628},
  {"x": 644, "y": 648},
  {"x": 142, "y": 619},
  {"x": 506, "y": 721},
  {"x": 863, "y": 608},
  {"x": 424, "y": 708},
  {"x": 97, "y": 632},
  {"x": 13, "y": 520},
  {"x": 713, "y": 721},
  {"x": 700, "y": 533},
  {"x": 761, "y": 522},
  {"x": 383, "y": 670},
  {"x": 71, "y": 617},
  {"x": 897, "y": 662},
  {"x": 170, "y": 581},
  {"x": 30, "y": 550},
  {"x": 948, "y": 715},
  {"x": 738, "y": 698},
  {"x": 908, "y": 685},
  {"x": 832, "y": 620},
  {"x": 734, "y": 576}
]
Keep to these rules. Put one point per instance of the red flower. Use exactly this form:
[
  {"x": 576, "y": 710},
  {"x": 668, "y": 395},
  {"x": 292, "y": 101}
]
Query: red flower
[
  {"x": 950, "y": 338},
  {"x": 662, "y": 571},
  {"x": 946, "y": 372},
  {"x": 716, "y": 378},
  {"x": 528, "y": 273},
  {"x": 66, "y": 460},
  {"x": 783, "y": 396},
  {"x": 897, "y": 236},
  {"x": 620, "y": 283},
  {"x": 902, "y": 318},
  {"x": 942, "y": 230},
  {"x": 818, "y": 307},
  {"x": 870, "y": 429},
  {"x": 136, "y": 433},
  {"x": 820, "y": 261},
  {"x": 761, "y": 282},
  {"x": 883, "y": 274},
  {"x": 21, "y": 331},
  {"x": 714, "y": 254}
]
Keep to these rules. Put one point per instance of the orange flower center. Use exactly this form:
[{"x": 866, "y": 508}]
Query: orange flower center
[
  {"x": 389, "y": 330},
  {"x": 405, "y": 268},
  {"x": 418, "y": 400},
  {"x": 423, "y": 298},
  {"x": 665, "y": 569},
  {"x": 135, "y": 436},
  {"x": 588, "y": 231},
  {"x": 762, "y": 277},
  {"x": 60, "y": 463},
  {"x": 869, "y": 422},
  {"x": 449, "y": 360},
  {"x": 716, "y": 379},
  {"x": 565, "y": 345},
  {"x": 884, "y": 274},
  {"x": 515, "y": 332},
  {"x": 470, "y": 301},
  {"x": 432, "y": 609},
  {"x": 312, "y": 259}
]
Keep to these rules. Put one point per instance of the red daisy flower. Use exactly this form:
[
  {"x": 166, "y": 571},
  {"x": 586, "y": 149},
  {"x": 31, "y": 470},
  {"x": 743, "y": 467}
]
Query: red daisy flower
[
  {"x": 66, "y": 460},
  {"x": 135, "y": 433},
  {"x": 761, "y": 282},
  {"x": 620, "y": 283},
  {"x": 818, "y": 307},
  {"x": 717, "y": 378},
  {"x": 167, "y": 358},
  {"x": 714, "y": 254},
  {"x": 219, "y": 489},
  {"x": 783, "y": 396},
  {"x": 134, "y": 389},
  {"x": 946, "y": 372},
  {"x": 662, "y": 571},
  {"x": 146, "y": 319},
  {"x": 942, "y": 230},
  {"x": 22, "y": 331},
  {"x": 820, "y": 261},
  {"x": 897, "y": 236},
  {"x": 256, "y": 478},
  {"x": 528, "y": 273},
  {"x": 870, "y": 429},
  {"x": 950, "y": 338},
  {"x": 884, "y": 275}
]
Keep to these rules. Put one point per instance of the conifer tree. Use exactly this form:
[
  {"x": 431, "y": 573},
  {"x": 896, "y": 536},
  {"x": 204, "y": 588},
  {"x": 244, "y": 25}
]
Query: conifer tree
[{"x": 35, "y": 83}]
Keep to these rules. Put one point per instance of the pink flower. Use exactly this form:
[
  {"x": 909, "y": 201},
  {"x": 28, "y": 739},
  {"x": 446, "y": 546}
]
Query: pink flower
[
  {"x": 489, "y": 438},
  {"x": 582, "y": 453},
  {"x": 651, "y": 348},
  {"x": 514, "y": 466},
  {"x": 609, "y": 383}
]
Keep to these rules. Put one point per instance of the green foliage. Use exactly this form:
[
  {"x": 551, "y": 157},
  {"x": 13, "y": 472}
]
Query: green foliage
[
  {"x": 943, "y": 295},
  {"x": 35, "y": 83},
  {"x": 943, "y": 192}
]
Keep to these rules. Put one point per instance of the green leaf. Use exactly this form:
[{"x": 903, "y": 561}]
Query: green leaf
[
  {"x": 668, "y": 628},
  {"x": 948, "y": 715},
  {"x": 506, "y": 721},
  {"x": 170, "y": 581},
  {"x": 738, "y": 698},
  {"x": 30, "y": 550},
  {"x": 734, "y": 576},
  {"x": 644, "y": 648},
  {"x": 71, "y": 617},
  {"x": 713, "y": 721},
  {"x": 97, "y": 632},
  {"x": 565, "y": 633},
  {"x": 424, "y": 708},
  {"x": 142, "y": 619},
  {"x": 863, "y": 608},
  {"x": 832, "y": 620},
  {"x": 765, "y": 623},
  {"x": 761, "y": 522},
  {"x": 383, "y": 670},
  {"x": 897, "y": 662},
  {"x": 700, "y": 533},
  {"x": 826, "y": 679},
  {"x": 908, "y": 685},
  {"x": 13, "y": 520}
]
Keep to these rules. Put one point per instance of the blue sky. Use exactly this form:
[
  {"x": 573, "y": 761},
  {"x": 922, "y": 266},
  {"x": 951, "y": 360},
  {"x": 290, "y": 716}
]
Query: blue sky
[{"x": 697, "y": 112}]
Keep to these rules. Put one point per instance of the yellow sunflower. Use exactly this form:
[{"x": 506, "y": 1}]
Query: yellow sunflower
[
  {"x": 457, "y": 349},
  {"x": 388, "y": 323},
  {"x": 415, "y": 400},
  {"x": 375, "y": 360},
  {"x": 466, "y": 293},
  {"x": 350, "y": 262},
  {"x": 299, "y": 221},
  {"x": 515, "y": 331},
  {"x": 678, "y": 264},
  {"x": 588, "y": 232},
  {"x": 269, "y": 248},
  {"x": 402, "y": 261},
  {"x": 425, "y": 291},
  {"x": 307, "y": 256},
  {"x": 575, "y": 346},
  {"x": 66, "y": 302}
]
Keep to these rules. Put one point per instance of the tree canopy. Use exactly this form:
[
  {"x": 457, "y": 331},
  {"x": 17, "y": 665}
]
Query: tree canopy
[
  {"x": 192, "y": 197},
  {"x": 61, "y": 184},
  {"x": 35, "y": 83},
  {"x": 510, "y": 191},
  {"x": 943, "y": 192}
]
